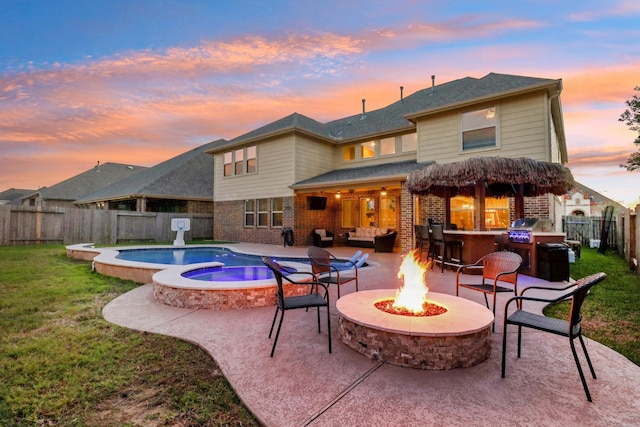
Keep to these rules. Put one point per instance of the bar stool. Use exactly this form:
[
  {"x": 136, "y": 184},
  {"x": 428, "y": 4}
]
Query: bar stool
[{"x": 442, "y": 249}]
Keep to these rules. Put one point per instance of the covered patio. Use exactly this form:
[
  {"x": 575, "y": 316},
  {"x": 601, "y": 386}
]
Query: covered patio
[{"x": 303, "y": 384}]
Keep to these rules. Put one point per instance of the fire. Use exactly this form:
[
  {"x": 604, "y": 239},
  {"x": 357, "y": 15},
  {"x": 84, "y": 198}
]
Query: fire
[{"x": 413, "y": 294}]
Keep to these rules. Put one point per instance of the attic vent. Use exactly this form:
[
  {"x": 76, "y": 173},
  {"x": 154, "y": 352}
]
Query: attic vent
[{"x": 130, "y": 167}]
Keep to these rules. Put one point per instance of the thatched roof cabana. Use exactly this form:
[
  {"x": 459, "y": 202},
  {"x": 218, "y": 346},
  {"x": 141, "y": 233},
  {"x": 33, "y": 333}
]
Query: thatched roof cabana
[{"x": 492, "y": 176}]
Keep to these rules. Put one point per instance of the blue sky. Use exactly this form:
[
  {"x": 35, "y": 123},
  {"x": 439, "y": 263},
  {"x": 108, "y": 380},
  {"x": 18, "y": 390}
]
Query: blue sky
[{"x": 141, "y": 81}]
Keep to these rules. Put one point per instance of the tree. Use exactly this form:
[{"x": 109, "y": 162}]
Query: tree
[{"x": 631, "y": 117}]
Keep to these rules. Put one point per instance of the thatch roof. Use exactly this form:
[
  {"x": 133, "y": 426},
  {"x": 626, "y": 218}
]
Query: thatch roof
[{"x": 503, "y": 177}]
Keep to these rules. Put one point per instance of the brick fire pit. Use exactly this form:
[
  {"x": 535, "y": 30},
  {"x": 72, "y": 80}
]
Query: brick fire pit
[{"x": 459, "y": 338}]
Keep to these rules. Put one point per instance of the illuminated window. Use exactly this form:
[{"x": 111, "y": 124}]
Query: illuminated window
[
  {"x": 367, "y": 212},
  {"x": 496, "y": 212},
  {"x": 367, "y": 149},
  {"x": 388, "y": 212},
  {"x": 349, "y": 153},
  {"x": 349, "y": 213},
  {"x": 479, "y": 129}
]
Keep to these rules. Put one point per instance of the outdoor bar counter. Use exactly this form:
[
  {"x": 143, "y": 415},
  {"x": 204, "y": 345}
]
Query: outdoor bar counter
[{"x": 479, "y": 243}]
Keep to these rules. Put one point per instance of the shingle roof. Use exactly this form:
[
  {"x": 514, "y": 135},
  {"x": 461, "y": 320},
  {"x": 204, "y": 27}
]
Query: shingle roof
[
  {"x": 87, "y": 182},
  {"x": 186, "y": 176},
  {"x": 395, "y": 117},
  {"x": 13, "y": 196},
  {"x": 362, "y": 173}
]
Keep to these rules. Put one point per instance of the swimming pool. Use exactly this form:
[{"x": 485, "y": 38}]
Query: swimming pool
[{"x": 201, "y": 276}]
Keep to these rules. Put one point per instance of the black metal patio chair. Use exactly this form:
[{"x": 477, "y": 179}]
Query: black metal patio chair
[
  {"x": 325, "y": 272},
  {"x": 567, "y": 328},
  {"x": 283, "y": 303}
]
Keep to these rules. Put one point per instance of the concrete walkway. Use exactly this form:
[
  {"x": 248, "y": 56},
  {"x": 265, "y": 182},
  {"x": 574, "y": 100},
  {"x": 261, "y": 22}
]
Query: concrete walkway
[{"x": 305, "y": 385}]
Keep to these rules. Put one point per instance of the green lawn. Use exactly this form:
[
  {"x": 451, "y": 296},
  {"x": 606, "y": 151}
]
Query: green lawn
[
  {"x": 62, "y": 364},
  {"x": 611, "y": 311}
]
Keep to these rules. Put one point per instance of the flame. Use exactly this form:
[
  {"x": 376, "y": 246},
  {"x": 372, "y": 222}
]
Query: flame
[{"x": 412, "y": 295}]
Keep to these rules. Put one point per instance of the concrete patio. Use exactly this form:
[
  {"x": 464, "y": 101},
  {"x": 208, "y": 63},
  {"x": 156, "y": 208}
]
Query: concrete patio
[{"x": 303, "y": 384}]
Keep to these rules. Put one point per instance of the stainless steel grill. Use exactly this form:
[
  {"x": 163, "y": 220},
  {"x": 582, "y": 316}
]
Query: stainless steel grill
[{"x": 521, "y": 229}]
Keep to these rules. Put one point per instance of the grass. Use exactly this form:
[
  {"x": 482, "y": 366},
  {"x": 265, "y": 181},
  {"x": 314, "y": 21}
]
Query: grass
[
  {"x": 63, "y": 364},
  {"x": 611, "y": 311}
]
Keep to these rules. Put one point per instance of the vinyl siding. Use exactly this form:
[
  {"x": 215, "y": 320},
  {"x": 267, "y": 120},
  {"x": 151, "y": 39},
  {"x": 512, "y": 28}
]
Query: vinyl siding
[
  {"x": 312, "y": 158},
  {"x": 523, "y": 131},
  {"x": 275, "y": 174}
]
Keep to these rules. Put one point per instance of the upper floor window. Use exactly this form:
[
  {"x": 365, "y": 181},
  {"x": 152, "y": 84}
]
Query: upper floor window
[
  {"x": 387, "y": 146},
  {"x": 409, "y": 142},
  {"x": 349, "y": 153},
  {"x": 479, "y": 129},
  {"x": 241, "y": 161},
  {"x": 367, "y": 149}
]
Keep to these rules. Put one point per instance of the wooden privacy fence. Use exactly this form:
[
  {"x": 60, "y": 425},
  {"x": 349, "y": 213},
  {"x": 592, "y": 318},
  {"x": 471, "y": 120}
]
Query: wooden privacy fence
[
  {"x": 587, "y": 228},
  {"x": 22, "y": 225}
]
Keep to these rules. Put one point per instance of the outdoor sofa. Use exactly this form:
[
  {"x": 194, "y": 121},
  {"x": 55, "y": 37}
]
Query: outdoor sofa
[{"x": 380, "y": 238}]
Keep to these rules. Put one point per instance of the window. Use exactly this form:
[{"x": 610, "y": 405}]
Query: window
[
  {"x": 479, "y": 129},
  {"x": 228, "y": 164},
  {"x": 349, "y": 214},
  {"x": 496, "y": 212},
  {"x": 349, "y": 153},
  {"x": 263, "y": 212},
  {"x": 367, "y": 212},
  {"x": 252, "y": 159},
  {"x": 387, "y": 146},
  {"x": 276, "y": 211},
  {"x": 367, "y": 149},
  {"x": 409, "y": 142},
  {"x": 388, "y": 212},
  {"x": 249, "y": 213},
  {"x": 241, "y": 161}
]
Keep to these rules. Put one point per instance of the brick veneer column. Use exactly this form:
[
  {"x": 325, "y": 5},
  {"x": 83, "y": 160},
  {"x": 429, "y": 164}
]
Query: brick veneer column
[{"x": 406, "y": 220}]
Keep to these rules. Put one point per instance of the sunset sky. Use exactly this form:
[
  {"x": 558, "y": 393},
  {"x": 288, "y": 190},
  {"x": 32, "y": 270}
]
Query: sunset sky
[{"x": 138, "y": 82}]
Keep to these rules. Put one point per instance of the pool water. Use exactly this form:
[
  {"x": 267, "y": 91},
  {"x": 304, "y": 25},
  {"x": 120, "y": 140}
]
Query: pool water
[
  {"x": 237, "y": 267},
  {"x": 229, "y": 274}
]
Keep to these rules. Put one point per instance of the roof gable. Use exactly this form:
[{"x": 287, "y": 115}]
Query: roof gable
[{"x": 186, "y": 176}]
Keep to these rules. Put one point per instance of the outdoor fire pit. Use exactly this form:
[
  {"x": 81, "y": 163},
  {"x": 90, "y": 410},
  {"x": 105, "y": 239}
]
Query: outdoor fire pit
[{"x": 436, "y": 331}]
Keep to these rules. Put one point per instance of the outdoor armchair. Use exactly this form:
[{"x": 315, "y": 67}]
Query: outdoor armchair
[
  {"x": 497, "y": 268},
  {"x": 325, "y": 272},
  {"x": 567, "y": 328},
  {"x": 318, "y": 297},
  {"x": 322, "y": 237}
]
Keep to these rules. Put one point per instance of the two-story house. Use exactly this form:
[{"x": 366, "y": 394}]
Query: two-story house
[{"x": 297, "y": 172}]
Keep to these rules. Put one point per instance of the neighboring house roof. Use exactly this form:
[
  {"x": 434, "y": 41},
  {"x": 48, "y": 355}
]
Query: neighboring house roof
[
  {"x": 362, "y": 174},
  {"x": 13, "y": 196},
  {"x": 87, "y": 182},
  {"x": 594, "y": 196},
  {"x": 397, "y": 117},
  {"x": 186, "y": 176}
]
